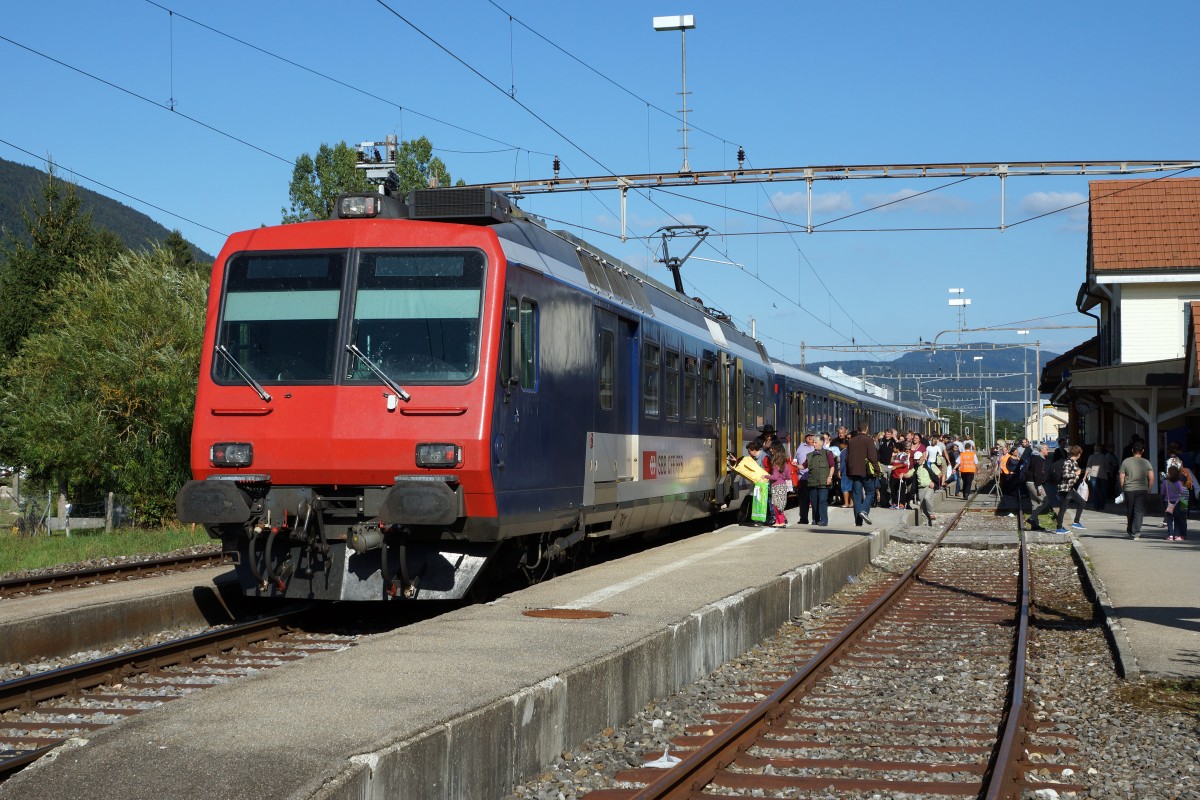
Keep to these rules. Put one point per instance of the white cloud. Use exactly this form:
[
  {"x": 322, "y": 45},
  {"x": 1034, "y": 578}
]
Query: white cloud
[
  {"x": 1074, "y": 217},
  {"x": 913, "y": 200},
  {"x": 796, "y": 203},
  {"x": 1043, "y": 202}
]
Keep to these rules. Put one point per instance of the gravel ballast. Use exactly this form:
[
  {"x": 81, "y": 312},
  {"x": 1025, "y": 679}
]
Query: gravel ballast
[{"x": 1124, "y": 749}]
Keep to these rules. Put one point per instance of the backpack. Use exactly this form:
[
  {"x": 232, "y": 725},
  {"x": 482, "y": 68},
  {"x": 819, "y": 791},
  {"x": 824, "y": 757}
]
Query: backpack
[
  {"x": 1055, "y": 474},
  {"x": 934, "y": 478}
]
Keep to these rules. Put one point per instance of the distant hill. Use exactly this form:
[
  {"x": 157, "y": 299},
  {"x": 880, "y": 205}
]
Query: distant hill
[
  {"x": 19, "y": 183},
  {"x": 951, "y": 377}
]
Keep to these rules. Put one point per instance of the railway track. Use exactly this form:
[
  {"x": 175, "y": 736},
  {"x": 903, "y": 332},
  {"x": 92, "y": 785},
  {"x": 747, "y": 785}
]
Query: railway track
[
  {"x": 918, "y": 689},
  {"x": 40, "y": 712},
  {"x": 53, "y": 581}
]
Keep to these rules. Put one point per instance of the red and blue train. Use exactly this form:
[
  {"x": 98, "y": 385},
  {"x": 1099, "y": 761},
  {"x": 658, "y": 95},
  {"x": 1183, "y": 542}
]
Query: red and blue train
[{"x": 401, "y": 400}]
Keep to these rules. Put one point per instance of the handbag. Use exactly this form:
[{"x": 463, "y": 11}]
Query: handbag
[
  {"x": 1170, "y": 508},
  {"x": 1082, "y": 491}
]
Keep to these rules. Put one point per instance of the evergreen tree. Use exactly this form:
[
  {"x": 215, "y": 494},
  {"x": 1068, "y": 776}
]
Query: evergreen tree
[
  {"x": 62, "y": 241},
  {"x": 180, "y": 250}
]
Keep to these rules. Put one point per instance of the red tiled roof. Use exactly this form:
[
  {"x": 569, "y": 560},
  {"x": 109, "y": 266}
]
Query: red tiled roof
[{"x": 1144, "y": 224}]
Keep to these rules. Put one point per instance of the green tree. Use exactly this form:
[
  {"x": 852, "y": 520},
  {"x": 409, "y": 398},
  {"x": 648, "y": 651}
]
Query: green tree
[
  {"x": 180, "y": 250},
  {"x": 62, "y": 241},
  {"x": 417, "y": 166},
  {"x": 102, "y": 396},
  {"x": 317, "y": 181}
]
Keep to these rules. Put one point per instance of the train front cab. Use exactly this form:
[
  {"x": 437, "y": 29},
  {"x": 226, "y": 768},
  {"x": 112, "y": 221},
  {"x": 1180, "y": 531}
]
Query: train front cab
[{"x": 338, "y": 446}]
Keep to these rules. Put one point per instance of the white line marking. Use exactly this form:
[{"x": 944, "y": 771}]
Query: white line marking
[{"x": 601, "y": 595}]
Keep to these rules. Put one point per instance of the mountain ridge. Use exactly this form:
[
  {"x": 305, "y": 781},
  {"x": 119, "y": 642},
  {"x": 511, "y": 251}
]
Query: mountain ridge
[{"x": 19, "y": 184}]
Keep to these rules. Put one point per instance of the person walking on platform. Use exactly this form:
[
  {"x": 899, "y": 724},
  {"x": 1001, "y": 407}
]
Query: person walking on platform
[
  {"x": 1136, "y": 479},
  {"x": 1174, "y": 495},
  {"x": 820, "y": 478},
  {"x": 1039, "y": 486},
  {"x": 1068, "y": 488},
  {"x": 1096, "y": 475},
  {"x": 862, "y": 465},
  {"x": 901, "y": 461},
  {"x": 780, "y": 479},
  {"x": 885, "y": 448},
  {"x": 803, "y": 502},
  {"x": 968, "y": 465},
  {"x": 922, "y": 477}
]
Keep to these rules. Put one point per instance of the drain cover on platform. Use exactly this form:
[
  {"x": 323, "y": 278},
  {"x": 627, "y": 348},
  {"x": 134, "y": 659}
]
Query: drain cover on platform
[{"x": 566, "y": 613}]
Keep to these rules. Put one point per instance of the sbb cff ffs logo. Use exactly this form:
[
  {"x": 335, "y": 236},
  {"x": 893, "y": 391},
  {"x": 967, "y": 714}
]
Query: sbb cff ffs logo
[{"x": 660, "y": 465}]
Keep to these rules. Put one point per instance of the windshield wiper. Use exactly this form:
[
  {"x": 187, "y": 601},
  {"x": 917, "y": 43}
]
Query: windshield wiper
[
  {"x": 233, "y": 362},
  {"x": 379, "y": 373}
]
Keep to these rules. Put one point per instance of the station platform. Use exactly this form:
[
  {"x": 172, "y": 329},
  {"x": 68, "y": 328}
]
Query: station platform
[
  {"x": 1149, "y": 590},
  {"x": 471, "y": 702}
]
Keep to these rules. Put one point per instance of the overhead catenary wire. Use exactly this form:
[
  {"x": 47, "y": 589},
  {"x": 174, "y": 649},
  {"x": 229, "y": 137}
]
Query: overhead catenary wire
[
  {"x": 145, "y": 99},
  {"x": 339, "y": 82},
  {"x": 600, "y": 74}
]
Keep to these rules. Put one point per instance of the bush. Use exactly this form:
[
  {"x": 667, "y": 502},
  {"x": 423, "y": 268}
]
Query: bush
[{"x": 102, "y": 395}]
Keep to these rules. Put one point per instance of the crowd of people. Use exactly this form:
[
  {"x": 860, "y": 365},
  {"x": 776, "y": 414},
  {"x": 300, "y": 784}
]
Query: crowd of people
[
  {"x": 858, "y": 470},
  {"x": 1045, "y": 480},
  {"x": 904, "y": 470}
]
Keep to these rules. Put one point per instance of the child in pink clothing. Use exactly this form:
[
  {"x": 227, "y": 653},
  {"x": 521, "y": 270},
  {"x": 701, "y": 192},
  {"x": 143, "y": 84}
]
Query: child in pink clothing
[
  {"x": 1173, "y": 493},
  {"x": 780, "y": 479}
]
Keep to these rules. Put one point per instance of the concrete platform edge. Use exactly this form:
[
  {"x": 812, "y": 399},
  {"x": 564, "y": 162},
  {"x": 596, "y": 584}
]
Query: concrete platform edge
[
  {"x": 81, "y": 628},
  {"x": 1114, "y": 630},
  {"x": 485, "y": 752}
]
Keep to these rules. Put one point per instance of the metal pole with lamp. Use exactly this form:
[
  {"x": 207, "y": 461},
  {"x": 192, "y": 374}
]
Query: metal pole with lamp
[
  {"x": 962, "y": 303},
  {"x": 682, "y": 23},
  {"x": 1025, "y": 388}
]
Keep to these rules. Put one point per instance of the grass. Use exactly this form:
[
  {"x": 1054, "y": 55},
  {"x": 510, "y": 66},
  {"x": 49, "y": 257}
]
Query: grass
[
  {"x": 1164, "y": 695},
  {"x": 19, "y": 553}
]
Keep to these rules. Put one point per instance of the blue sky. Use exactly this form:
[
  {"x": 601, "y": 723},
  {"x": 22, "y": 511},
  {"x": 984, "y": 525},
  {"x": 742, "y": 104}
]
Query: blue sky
[{"x": 795, "y": 84}]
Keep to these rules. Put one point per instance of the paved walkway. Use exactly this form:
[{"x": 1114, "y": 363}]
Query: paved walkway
[{"x": 1152, "y": 589}]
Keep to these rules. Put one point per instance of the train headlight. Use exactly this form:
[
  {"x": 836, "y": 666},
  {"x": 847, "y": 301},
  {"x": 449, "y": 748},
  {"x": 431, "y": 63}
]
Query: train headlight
[
  {"x": 358, "y": 205},
  {"x": 231, "y": 454},
  {"x": 433, "y": 456}
]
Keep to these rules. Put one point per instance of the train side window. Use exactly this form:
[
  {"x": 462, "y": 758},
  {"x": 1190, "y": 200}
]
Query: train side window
[
  {"x": 608, "y": 370},
  {"x": 691, "y": 397},
  {"x": 511, "y": 340},
  {"x": 671, "y": 387},
  {"x": 651, "y": 379},
  {"x": 529, "y": 344},
  {"x": 748, "y": 402},
  {"x": 710, "y": 391},
  {"x": 760, "y": 417}
]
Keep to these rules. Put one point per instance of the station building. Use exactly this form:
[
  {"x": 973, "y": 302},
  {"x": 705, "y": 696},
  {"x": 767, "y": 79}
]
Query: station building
[{"x": 1139, "y": 373}]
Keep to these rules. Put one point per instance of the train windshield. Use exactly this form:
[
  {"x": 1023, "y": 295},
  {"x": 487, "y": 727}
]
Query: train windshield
[
  {"x": 280, "y": 316},
  {"x": 417, "y": 314}
]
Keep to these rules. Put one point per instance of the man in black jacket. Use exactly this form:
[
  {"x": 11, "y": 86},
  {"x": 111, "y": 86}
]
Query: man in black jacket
[
  {"x": 886, "y": 447},
  {"x": 862, "y": 465},
  {"x": 1036, "y": 478}
]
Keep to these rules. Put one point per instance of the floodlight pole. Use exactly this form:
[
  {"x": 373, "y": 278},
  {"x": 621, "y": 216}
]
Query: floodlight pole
[{"x": 682, "y": 23}]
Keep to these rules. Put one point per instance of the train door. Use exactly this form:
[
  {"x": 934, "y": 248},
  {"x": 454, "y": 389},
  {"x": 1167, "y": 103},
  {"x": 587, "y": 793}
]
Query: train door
[
  {"x": 795, "y": 420},
  {"x": 518, "y": 434},
  {"x": 612, "y": 442},
  {"x": 733, "y": 410}
]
